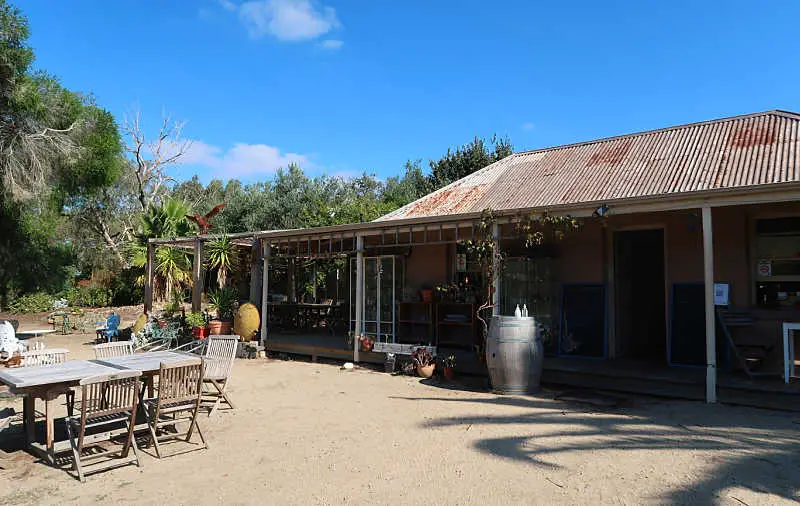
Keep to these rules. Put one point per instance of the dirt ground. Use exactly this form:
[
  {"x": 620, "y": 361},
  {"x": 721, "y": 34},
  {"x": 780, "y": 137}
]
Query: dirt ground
[{"x": 308, "y": 433}]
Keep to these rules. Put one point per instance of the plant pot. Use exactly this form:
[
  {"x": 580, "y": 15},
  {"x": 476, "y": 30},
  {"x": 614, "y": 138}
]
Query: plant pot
[
  {"x": 425, "y": 371},
  {"x": 427, "y": 295},
  {"x": 200, "y": 332},
  {"x": 162, "y": 323},
  {"x": 449, "y": 373},
  {"x": 219, "y": 327}
]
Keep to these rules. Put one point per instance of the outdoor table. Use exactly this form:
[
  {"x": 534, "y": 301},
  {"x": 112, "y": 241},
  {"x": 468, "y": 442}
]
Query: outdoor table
[
  {"x": 149, "y": 363},
  {"x": 48, "y": 382},
  {"x": 35, "y": 332}
]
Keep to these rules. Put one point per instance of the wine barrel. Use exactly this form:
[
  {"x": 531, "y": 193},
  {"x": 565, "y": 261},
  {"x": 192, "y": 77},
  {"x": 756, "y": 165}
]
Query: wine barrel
[{"x": 514, "y": 355}]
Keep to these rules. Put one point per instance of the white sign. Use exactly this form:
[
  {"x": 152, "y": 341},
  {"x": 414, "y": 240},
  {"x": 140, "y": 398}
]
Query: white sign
[
  {"x": 461, "y": 262},
  {"x": 721, "y": 294},
  {"x": 764, "y": 268}
]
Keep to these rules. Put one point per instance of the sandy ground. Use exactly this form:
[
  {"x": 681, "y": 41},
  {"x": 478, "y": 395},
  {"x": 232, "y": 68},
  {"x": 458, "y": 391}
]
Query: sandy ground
[{"x": 308, "y": 433}]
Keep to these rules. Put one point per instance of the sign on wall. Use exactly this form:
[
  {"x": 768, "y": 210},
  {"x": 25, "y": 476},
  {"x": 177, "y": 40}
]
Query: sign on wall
[
  {"x": 461, "y": 262},
  {"x": 721, "y": 294},
  {"x": 764, "y": 268}
]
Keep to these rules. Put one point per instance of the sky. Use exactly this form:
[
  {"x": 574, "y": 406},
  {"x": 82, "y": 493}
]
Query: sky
[{"x": 342, "y": 87}]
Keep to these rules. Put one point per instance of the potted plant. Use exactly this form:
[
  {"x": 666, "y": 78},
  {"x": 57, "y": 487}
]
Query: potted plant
[
  {"x": 449, "y": 367},
  {"x": 222, "y": 302},
  {"x": 424, "y": 361},
  {"x": 367, "y": 343},
  {"x": 199, "y": 324}
]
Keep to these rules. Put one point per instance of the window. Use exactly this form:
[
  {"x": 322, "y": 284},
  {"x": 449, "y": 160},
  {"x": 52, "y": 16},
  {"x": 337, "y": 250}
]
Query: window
[{"x": 777, "y": 269}]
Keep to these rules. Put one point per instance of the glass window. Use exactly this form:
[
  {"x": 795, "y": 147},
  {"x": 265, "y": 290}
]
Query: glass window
[{"x": 777, "y": 269}]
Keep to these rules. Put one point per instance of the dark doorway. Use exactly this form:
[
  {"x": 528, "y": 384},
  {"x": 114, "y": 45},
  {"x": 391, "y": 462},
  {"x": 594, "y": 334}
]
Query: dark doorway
[{"x": 641, "y": 329}]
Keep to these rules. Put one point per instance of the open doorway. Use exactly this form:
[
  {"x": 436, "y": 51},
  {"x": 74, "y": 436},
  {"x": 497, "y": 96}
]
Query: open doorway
[{"x": 640, "y": 314}]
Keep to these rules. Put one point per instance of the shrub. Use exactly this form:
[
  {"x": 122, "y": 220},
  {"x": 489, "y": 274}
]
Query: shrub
[
  {"x": 87, "y": 296},
  {"x": 38, "y": 302}
]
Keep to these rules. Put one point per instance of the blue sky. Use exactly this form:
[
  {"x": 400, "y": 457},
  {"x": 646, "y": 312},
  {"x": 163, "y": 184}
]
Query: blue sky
[{"x": 347, "y": 86}]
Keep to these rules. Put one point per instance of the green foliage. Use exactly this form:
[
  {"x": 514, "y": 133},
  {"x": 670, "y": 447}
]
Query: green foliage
[
  {"x": 221, "y": 256},
  {"x": 222, "y": 302},
  {"x": 196, "y": 319},
  {"x": 467, "y": 159},
  {"x": 125, "y": 291},
  {"x": 37, "y": 302},
  {"x": 87, "y": 296}
]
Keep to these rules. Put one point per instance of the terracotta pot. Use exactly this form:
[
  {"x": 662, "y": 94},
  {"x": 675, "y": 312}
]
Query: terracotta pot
[
  {"x": 427, "y": 295},
  {"x": 449, "y": 372},
  {"x": 219, "y": 327},
  {"x": 200, "y": 332},
  {"x": 425, "y": 371},
  {"x": 367, "y": 345}
]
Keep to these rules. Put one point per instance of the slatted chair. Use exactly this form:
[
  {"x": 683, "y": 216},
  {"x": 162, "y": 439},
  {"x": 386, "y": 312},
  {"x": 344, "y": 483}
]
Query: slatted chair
[
  {"x": 6, "y": 415},
  {"x": 110, "y": 330},
  {"x": 180, "y": 385},
  {"x": 43, "y": 357},
  {"x": 106, "y": 400},
  {"x": 115, "y": 349},
  {"x": 219, "y": 356}
]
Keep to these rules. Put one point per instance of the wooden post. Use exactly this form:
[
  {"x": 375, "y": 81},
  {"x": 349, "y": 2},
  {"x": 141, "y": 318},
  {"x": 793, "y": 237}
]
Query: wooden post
[
  {"x": 197, "y": 276},
  {"x": 255, "y": 273},
  {"x": 265, "y": 293},
  {"x": 148, "y": 280},
  {"x": 495, "y": 273},
  {"x": 711, "y": 336},
  {"x": 314, "y": 282},
  {"x": 291, "y": 281},
  {"x": 359, "y": 295}
]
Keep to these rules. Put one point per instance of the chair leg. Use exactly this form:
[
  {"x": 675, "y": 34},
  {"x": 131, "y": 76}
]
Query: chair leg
[
  {"x": 70, "y": 402},
  {"x": 76, "y": 454}
]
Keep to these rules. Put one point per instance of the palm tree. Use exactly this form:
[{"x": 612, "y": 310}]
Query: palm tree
[
  {"x": 172, "y": 267},
  {"x": 221, "y": 256}
]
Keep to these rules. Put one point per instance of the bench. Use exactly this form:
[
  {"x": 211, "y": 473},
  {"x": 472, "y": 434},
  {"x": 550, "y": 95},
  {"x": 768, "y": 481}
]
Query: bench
[{"x": 400, "y": 349}]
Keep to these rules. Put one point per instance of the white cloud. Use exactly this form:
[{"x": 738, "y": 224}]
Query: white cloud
[
  {"x": 288, "y": 20},
  {"x": 331, "y": 44},
  {"x": 228, "y": 5},
  {"x": 242, "y": 159},
  {"x": 528, "y": 126}
]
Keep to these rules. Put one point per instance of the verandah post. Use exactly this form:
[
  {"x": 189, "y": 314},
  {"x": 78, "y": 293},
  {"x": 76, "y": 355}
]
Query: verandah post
[
  {"x": 197, "y": 276},
  {"x": 359, "y": 295},
  {"x": 148, "y": 281},
  {"x": 267, "y": 249},
  {"x": 495, "y": 272},
  {"x": 711, "y": 336}
]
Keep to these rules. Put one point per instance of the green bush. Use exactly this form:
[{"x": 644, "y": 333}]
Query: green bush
[
  {"x": 87, "y": 296},
  {"x": 125, "y": 291},
  {"x": 38, "y": 302}
]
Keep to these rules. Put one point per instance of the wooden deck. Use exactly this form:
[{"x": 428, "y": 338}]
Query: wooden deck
[{"x": 616, "y": 375}]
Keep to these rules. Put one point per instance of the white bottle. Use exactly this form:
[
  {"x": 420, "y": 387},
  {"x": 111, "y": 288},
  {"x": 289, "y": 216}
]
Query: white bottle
[
  {"x": 517, "y": 312},
  {"x": 525, "y": 310}
]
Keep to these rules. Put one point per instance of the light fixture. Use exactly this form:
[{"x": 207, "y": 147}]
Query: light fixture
[{"x": 601, "y": 211}]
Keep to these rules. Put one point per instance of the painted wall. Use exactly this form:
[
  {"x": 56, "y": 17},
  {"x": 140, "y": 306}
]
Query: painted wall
[{"x": 426, "y": 266}]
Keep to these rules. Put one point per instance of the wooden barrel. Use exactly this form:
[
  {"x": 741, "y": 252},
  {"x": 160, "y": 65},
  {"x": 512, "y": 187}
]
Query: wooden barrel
[{"x": 514, "y": 355}]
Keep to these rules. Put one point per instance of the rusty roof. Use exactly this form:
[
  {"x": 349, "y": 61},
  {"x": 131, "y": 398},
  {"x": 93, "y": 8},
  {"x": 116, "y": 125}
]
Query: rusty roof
[{"x": 754, "y": 150}]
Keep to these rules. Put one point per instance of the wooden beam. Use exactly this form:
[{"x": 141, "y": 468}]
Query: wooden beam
[
  {"x": 711, "y": 336},
  {"x": 255, "y": 274},
  {"x": 495, "y": 273},
  {"x": 359, "y": 295},
  {"x": 197, "y": 276},
  {"x": 148, "y": 280},
  {"x": 265, "y": 293}
]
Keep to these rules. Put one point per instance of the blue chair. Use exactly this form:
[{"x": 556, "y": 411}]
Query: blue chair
[{"x": 111, "y": 330}]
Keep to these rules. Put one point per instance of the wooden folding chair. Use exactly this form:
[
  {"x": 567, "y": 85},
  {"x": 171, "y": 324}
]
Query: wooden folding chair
[
  {"x": 180, "y": 385},
  {"x": 218, "y": 358},
  {"x": 115, "y": 349},
  {"x": 109, "y": 399},
  {"x": 43, "y": 357}
]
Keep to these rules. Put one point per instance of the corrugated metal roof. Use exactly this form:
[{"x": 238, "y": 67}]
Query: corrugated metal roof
[{"x": 743, "y": 151}]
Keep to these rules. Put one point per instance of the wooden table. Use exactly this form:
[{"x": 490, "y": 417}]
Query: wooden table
[
  {"x": 35, "y": 332},
  {"x": 149, "y": 363},
  {"x": 48, "y": 382}
]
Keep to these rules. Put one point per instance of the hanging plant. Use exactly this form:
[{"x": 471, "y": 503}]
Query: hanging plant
[
  {"x": 536, "y": 229},
  {"x": 221, "y": 256}
]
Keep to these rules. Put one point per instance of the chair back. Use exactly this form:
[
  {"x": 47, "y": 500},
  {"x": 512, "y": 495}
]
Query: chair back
[
  {"x": 116, "y": 349},
  {"x": 180, "y": 382},
  {"x": 43, "y": 357},
  {"x": 112, "y": 323},
  {"x": 219, "y": 356},
  {"x": 109, "y": 394}
]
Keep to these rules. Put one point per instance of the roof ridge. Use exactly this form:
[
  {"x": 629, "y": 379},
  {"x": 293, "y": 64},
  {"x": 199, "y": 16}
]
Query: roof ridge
[{"x": 774, "y": 112}]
